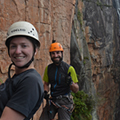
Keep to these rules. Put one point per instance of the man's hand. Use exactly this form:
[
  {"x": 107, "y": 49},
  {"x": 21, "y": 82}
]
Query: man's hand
[
  {"x": 69, "y": 79},
  {"x": 46, "y": 95}
]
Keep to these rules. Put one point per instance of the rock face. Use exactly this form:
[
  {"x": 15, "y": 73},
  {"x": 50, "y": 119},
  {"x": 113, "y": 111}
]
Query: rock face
[
  {"x": 52, "y": 19},
  {"x": 95, "y": 48},
  {"x": 89, "y": 33}
]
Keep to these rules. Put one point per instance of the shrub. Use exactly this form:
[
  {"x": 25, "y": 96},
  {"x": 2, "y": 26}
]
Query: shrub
[{"x": 83, "y": 106}]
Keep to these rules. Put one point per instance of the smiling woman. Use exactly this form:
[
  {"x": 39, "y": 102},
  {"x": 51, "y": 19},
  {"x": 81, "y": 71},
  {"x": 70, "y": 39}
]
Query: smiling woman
[
  {"x": 25, "y": 89},
  {"x": 21, "y": 51}
]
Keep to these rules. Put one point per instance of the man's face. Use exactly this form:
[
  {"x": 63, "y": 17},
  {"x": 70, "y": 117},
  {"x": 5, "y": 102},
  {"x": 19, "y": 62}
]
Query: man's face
[{"x": 56, "y": 57}]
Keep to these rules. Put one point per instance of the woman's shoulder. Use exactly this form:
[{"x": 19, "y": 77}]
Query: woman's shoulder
[{"x": 29, "y": 76}]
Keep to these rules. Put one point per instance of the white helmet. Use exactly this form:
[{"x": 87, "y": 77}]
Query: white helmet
[{"x": 22, "y": 28}]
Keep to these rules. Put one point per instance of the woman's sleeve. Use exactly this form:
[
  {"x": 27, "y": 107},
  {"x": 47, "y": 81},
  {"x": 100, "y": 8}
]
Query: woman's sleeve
[{"x": 27, "y": 96}]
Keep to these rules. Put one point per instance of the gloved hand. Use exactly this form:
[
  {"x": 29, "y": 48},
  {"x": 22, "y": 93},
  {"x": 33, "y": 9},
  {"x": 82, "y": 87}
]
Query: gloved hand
[
  {"x": 46, "y": 95},
  {"x": 69, "y": 79}
]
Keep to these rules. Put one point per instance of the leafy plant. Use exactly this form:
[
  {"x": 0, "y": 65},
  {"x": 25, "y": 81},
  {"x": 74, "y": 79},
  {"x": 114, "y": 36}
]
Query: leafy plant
[
  {"x": 79, "y": 16},
  {"x": 1, "y": 81},
  {"x": 83, "y": 106}
]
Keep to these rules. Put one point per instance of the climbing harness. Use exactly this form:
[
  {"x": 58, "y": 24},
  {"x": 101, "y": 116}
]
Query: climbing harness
[{"x": 64, "y": 107}]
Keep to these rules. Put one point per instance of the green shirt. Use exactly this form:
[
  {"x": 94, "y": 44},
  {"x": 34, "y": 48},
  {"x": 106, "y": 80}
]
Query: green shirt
[{"x": 71, "y": 69}]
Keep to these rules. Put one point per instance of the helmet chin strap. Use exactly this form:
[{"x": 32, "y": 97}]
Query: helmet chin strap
[
  {"x": 9, "y": 70},
  {"x": 26, "y": 65}
]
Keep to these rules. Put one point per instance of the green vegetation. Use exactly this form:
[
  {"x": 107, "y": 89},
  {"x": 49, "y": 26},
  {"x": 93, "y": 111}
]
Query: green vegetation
[
  {"x": 83, "y": 106},
  {"x": 84, "y": 61},
  {"x": 1, "y": 81},
  {"x": 79, "y": 16},
  {"x": 101, "y": 5},
  {"x": 98, "y": 3},
  {"x": 86, "y": 58}
]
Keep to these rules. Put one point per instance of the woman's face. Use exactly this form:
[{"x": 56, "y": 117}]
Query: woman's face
[{"x": 20, "y": 50}]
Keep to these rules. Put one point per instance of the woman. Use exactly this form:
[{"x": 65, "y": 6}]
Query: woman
[{"x": 25, "y": 88}]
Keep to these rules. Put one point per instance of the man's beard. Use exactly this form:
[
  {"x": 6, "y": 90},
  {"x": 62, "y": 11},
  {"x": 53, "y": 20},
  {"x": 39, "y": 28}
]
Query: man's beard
[{"x": 57, "y": 62}]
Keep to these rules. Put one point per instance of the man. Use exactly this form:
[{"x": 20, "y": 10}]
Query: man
[{"x": 63, "y": 79}]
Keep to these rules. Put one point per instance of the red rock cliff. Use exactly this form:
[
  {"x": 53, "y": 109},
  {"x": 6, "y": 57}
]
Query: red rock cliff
[{"x": 52, "y": 19}]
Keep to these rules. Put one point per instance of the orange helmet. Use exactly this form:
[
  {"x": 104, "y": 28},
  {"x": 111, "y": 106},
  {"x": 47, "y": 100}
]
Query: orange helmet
[{"x": 55, "y": 47}]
